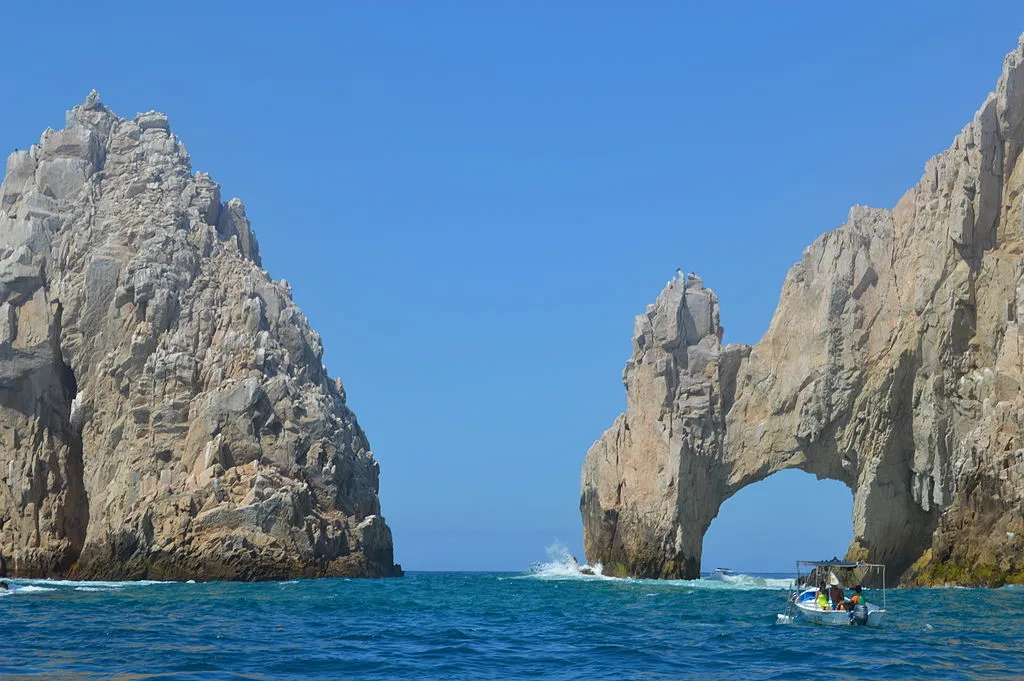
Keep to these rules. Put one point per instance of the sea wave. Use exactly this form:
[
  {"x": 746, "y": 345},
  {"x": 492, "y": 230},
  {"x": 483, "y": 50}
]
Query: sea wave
[
  {"x": 562, "y": 564},
  {"x": 30, "y": 585},
  {"x": 743, "y": 582},
  {"x": 484, "y": 625},
  {"x": 26, "y": 589}
]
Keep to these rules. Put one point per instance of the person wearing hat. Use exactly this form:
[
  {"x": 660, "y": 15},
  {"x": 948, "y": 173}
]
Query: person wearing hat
[{"x": 835, "y": 592}]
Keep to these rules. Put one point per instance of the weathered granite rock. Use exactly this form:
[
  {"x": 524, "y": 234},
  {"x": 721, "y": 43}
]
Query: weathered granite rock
[
  {"x": 164, "y": 411},
  {"x": 661, "y": 462},
  {"x": 894, "y": 363}
]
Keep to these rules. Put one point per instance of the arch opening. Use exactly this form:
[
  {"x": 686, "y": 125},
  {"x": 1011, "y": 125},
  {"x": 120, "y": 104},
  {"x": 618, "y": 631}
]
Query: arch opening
[{"x": 769, "y": 525}]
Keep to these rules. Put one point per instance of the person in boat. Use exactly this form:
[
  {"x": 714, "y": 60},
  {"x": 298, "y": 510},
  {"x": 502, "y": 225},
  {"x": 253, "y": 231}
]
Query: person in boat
[
  {"x": 857, "y": 599},
  {"x": 836, "y": 595},
  {"x": 3, "y": 586},
  {"x": 822, "y": 597}
]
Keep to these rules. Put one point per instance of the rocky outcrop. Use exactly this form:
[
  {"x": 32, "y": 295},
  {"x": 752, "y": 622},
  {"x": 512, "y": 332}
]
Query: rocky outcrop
[
  {"x": 894, "y": 363},
  {"x": 661, "y": 462},
  {"x": 164, "y": 411}
]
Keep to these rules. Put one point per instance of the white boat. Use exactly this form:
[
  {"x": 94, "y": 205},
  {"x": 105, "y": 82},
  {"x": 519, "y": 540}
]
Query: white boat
[
  {"x": 803, "y": 603},
  {"x": 721, "y": 573},
  {"x": 808, "y": 610}
]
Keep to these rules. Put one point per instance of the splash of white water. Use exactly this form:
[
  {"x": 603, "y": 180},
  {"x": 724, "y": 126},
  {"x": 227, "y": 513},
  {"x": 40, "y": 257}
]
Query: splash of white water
[
  {"x": 743, "y": 582},
  {"x": 563, "y": 565}
]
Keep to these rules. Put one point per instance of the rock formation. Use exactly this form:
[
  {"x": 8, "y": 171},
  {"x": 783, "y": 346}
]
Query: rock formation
[
  {"x": 164, "y": 412},
  {"x": 894, "y": 363}
]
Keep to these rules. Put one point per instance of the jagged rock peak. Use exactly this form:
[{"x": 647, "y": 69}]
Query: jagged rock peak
[
  {"x": 892, "y": 364},
  {"x": 92, "y": 101},
  {"x": 679, "y": 384},
  {"x": 164, "y": 409}
]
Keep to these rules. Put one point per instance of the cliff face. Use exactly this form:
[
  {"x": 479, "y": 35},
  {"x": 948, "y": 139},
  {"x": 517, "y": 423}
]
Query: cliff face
[
  {"x": 894, "y": 363},
  {"x": 164, "y": 411},
  {"x": 658, "y": 466}
]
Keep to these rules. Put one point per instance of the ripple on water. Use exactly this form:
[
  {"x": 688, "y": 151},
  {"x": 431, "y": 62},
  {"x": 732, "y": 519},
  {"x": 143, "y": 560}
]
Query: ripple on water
[{"x": 437, "y": 625}]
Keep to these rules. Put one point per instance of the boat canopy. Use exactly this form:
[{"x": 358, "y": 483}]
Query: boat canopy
[
  {"x": 835, "y": 562},
  {"x": 808, "y": 572}
]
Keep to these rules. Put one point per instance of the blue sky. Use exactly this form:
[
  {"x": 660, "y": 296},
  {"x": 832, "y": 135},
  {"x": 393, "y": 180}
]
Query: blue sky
[{"x": 472, "y": 200}]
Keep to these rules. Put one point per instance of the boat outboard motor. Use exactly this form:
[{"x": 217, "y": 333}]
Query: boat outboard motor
[{"x": 859, "y": 614}]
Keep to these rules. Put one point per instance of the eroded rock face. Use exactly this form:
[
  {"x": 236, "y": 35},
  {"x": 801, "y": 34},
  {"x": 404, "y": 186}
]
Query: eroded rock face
[
  {"x": 661, "y": 463},
  {"x": 164, "y": 411},
  {"x": 894, "y": 363}
]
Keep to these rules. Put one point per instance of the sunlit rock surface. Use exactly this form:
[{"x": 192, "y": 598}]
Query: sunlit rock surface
[
  {"x": 164, "y": 412},
  {"x": 894, "y": 363}
]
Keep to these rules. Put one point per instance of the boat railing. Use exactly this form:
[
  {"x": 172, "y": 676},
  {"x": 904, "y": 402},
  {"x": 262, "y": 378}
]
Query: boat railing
[{"x": 811, "y": 572}]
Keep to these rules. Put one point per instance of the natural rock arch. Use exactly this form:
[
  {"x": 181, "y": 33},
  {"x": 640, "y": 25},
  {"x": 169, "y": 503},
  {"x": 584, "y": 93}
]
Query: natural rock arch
[
  {"x": 894, "y": 363},
  {"x": 705, "y": 421},
  {"x": 803, "y": 516}
]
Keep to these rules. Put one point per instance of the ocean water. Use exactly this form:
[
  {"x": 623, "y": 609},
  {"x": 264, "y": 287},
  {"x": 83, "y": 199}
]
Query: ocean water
[{"x": 546, "y": 623}]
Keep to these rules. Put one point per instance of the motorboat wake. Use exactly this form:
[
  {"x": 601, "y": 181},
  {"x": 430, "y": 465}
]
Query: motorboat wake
[{"x": 721, "y": 574}]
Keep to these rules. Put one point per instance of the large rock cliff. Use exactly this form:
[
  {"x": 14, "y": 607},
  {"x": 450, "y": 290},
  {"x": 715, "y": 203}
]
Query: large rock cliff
[
  {"x": 894, "y": 363},
  {"x": 164, "y": 411}
]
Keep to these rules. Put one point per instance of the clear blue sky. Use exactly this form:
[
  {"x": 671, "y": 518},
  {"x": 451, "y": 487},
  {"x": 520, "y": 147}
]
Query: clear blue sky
[{"x": 473, "y": 199}]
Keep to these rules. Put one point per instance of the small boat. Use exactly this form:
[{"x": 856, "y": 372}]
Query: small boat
[
  {"x": 808, "y": 610},
  {"x": 803, "y": 601},
  {"x": 720, "y": 574}
]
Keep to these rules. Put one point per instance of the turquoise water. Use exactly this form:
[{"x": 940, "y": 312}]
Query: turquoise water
[{"x": 548, "y": 625}]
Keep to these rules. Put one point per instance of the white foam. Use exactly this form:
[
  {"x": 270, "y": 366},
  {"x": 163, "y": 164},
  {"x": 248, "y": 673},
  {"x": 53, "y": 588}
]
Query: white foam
[
  {"x": 563, "y": 565},
  {"x": 29, "y": 589},
  {"x": 742, "y": 582},
  {"x": 70, "y": 583}
]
